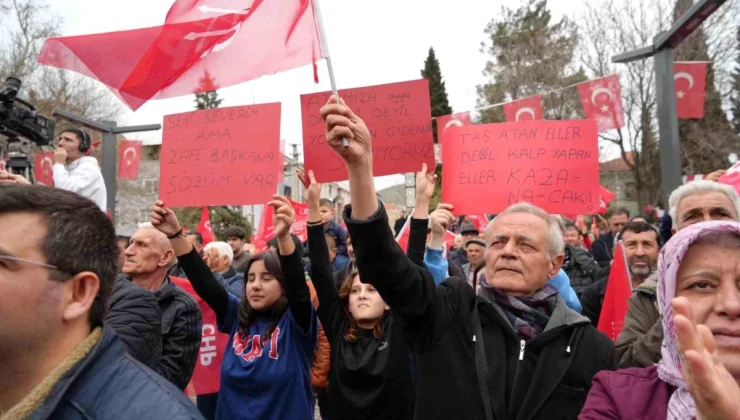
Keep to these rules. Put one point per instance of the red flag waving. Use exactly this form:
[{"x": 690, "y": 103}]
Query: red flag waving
[
  {"x": 691, "y": 86},
  {"x": 618, "y": 290},
  {"x": 230, "y": 41},
  {"x": 266, "y": 230},
  {"x": 602, "y": 101},
  {"x": 42, "y": 168},
  {"x": 404, "y": 234},
  {"x": 204, "y": 227},
  {"x": 524, "y": 109},
  {"x": 446, "y": 121},
  {"x": 128, "y": 159},
  {"x": 605, "y": 197}
]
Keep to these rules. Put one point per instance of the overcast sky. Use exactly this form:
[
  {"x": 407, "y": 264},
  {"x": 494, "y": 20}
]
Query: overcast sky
[{"x": 371, "y": 42}]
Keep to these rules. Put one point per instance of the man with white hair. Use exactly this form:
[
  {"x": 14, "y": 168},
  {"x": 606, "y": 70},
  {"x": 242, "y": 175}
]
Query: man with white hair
[
  {"x": 219, "y": 256},
  {"x": 638, "y": 345},
  {"x": 148, "y": 258}
]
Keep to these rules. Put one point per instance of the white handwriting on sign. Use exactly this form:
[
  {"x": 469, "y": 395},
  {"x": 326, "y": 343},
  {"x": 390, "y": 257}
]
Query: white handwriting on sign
[{"x": 207, "y": 345}]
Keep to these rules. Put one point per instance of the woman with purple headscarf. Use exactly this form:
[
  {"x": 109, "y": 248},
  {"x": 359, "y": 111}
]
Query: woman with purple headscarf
[{"x": 699, "y": 304}]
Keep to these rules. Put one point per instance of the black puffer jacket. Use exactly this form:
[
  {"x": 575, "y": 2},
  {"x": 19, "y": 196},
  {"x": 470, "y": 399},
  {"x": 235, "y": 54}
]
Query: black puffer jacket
[
  {"x": 135, "y": 316},
  {"x": 581, "y": 268}
]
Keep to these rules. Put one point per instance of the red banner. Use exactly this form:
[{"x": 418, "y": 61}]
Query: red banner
[
  {"x": 42, "y": 171},
  {"x": 602, "y": 101},
  {"x": 221, "y": 156},
  {"x": 207, "y": 375},
  {"x": 398, "y": 116},
  {"x": 618, "y": 290},
  {"x": 524, "y": 109},
  {"x": 204, "y": 227},
  {"x": 266, "y": 229},
  {"x": 691, "y": 89},
  {"x": 229, "y": 41},
  {"x": 551, "y": 164},
  {"x": 128, "y": 159}
]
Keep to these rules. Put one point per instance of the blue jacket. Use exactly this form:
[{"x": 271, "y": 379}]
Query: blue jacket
[
  {"x": 110, "y": 384},
  {"x": 232, "y": 281}
]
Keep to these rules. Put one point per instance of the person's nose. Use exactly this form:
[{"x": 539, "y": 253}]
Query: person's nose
[
  {"x": 130, "y": 251},
  {"x": 728, "y": 301}
]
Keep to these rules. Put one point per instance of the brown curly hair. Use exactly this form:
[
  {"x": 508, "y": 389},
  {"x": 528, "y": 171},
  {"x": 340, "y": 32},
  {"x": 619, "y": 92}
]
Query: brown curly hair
[
  {"x": 351, "y": 335},
  {"x": 247, "y": 316}
]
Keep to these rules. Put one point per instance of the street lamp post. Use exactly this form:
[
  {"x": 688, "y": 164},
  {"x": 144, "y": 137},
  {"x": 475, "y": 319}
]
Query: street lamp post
[{"x": 662, "y": 52}]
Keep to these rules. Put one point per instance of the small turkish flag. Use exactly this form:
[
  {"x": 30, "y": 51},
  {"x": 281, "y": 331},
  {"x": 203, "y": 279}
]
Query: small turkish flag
[
  {"x": 602, "y": 101},
  {"x": 204, "y": 227},
  {"x": 404, "y": 234},
  {"x": 618, "y": 290},
  {"x": 524, "y": 109},
  {"x": 691, "y": 87},
  {"x": 232, "y": 41},
  {"x": 128, "y": 159},
  {"x": 42, "y": 168},
  {"x": 605, "y": 197}
]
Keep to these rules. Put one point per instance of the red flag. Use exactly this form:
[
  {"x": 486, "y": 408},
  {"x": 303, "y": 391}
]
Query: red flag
[
  {"x": 618, "y": 290},
  {"x": 524, "y": 109},
  {"x": 446, "y": 121},
  {"x": 207, "y": 374},
  {"x": 128, "y": 159},
  {"x": 602, "y": 101},
  {"x": 266, "y": 230},
  {"x": 204, "y": 227},
  {"x": 42, "y": 168},
  {"x": 691, "y": 86},
  {"x": 605, "y": 197},
  {"x": 480, "y": 221},
  {"x": 232, "y": 41},
  {"x": 403, "y": 236}
]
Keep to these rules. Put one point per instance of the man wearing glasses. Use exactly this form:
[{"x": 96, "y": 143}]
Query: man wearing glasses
[{"x": 58, "y": 262}]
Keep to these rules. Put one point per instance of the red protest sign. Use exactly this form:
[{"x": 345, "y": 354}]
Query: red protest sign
[
  {"x": 551, "y": 164},
  {"x": 398, "y": 116},
  {"x": 221, "y": 156}
]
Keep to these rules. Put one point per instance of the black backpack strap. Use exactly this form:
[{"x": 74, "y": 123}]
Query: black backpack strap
[{"x": 481, "y": 365}]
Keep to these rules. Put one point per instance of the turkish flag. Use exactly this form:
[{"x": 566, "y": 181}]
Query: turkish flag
[
  {"x": 524, "y": 109},
  {"x": 605, "y": 197},
  {"x": 226, "y": 41},
  {"x": 206, "y": 377},
  {"x": 204, "y": 227},
  {"x": 403, "y": 236},
  {"x": 618, "y": 290},
  {"x": 452, "y": 120},
  {"x": 691, "y": 89},
  {"x": 602, "y": 101},
  {"x": 129, "y": 157},
  {"x": 480, "y": 221},
  {"x": 42, "y": 168},
  {"x": 266, "y": 230}
]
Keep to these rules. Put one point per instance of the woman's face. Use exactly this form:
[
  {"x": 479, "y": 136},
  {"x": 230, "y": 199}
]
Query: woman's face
[
  {"x": 263, "y": 289},
  {"x": 709, "y": 278},
  {"x": 365, "y": 304}
]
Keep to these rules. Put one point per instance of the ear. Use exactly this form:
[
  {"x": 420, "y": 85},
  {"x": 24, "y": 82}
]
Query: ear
[
  {"x": 80, "y": 293},
  {"x": 166, "y": 257},
  {"x": 555, "y": 265}
]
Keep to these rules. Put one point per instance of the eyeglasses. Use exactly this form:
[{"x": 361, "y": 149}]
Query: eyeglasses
[{"x": 24, "y": 261}]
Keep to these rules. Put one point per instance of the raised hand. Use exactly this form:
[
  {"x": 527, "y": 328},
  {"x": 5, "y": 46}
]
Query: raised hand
[
  {"x": 60, "y": 155},
  {"x": 10, "y": 178},
  {"x": 441, "y": 219},
  {"x": 716, "y": 175},
  {"x": 715, "y": 391},
  {"x": 164, "y": 219},
  {"x": 425, "y": 183},
  {"x": 283, "y": 217},
  {"x": 313, "y": 188},
  {"x": 341, "y": 123}
]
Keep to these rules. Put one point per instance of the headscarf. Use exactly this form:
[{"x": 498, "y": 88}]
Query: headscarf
[{"x": 681, "y": 405}]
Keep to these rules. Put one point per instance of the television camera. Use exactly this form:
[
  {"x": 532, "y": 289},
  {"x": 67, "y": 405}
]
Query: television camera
[{"x": 23, "y": 126}]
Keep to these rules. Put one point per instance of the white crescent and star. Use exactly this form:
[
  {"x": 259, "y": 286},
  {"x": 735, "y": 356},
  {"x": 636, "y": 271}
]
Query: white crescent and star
[
  {"x": 208, "y": 226},
  {"x": 453, "y": 123},
  {"x": 524, "y": 110},
  {"x": 125, "y": 154},
  {"x": 45, "y": 166},
  {"x": 601, "y": 90},
  {"x": 684, "y": 75}
]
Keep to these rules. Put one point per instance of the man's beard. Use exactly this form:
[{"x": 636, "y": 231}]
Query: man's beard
[{"x": 641, "y": 273}]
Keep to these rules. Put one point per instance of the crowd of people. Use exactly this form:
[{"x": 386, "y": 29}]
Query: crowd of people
[{"x": 500, "y": 325}]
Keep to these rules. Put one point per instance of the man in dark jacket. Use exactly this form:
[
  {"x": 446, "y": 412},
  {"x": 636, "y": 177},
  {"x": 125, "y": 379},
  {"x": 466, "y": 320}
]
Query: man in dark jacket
[
  {"x": 135, "y": 316},
  {"x": 148, "y": 259},
  {"x": 219, "y": 257},
  {"x": 58, "y": 264},
  {"x": 468, "y": 232},
  {"x": 581, "y": 268},
  {"x": 517, "y": 350},
  {"x": 398, "y": 225},
  {"x": 603, "y": 248}
]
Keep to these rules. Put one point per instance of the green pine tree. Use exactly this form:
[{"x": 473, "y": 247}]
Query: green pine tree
[
  {"x": 221, "y": 216},
  {"x": 530, "y": 55},
  {"x": 440, "y": 106},
  {"x": 705, "y": 143},
  {"x": 736, "y": 90}
]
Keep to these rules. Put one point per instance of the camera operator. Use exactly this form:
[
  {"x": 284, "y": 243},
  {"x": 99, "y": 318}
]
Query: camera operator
[{"x": 74, "y": 171}]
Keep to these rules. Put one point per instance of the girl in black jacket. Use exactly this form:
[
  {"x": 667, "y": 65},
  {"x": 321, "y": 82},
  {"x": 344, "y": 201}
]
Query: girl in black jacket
[{"x": 369, "y": 376}]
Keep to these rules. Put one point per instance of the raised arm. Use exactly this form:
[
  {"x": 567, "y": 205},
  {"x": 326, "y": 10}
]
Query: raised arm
[
  {"x": 296, "y": 289},
  {"x": 419, "y": 223},
  {"x": 197, "y": 271},
  {"x": 322, "y": 273}
]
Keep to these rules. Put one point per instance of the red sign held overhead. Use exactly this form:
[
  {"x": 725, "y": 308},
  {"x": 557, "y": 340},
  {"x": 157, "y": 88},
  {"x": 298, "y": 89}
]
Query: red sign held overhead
[
  {"x": 221, "y": 156},
  {"x": 398, "y": 116},
  {"x": 551, "y": 164},
  {"x": 128, "y": 159}
]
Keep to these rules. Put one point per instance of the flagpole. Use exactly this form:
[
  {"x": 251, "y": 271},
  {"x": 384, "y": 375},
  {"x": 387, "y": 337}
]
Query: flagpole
[{"x": 327, "y": 56}]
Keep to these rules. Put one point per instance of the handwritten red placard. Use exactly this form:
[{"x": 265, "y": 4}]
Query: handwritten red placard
[
  {"x": 551, "y": 164},
  {"x": 221, "y": 156},
  {"x": 398, "y": 116}
]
